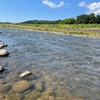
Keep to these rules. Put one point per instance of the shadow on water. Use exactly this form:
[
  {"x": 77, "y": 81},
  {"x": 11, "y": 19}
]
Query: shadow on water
[{"x": 63, "y": 67}]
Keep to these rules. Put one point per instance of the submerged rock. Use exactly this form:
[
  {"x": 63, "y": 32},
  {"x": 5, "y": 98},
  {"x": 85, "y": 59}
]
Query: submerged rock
[
  {"x": 53, "y": 98},
  {"x": 39, "y": 86},
  {"x": 3, "y": 53},
  {"x": 2, "y": 97},
  {"x": 39, "y": 99},
  {"x": 13, "y": 97},
  {"x": 62, "y": 98},
  {"x": 12, "y": 45},
  {"x": 33, "y": 96},
  {"x": 26, "y": 73},
  {"x": 1, "y": 68},
  {"x": 2, "y": 45},
  {"x": 21, "y": 86},
  {"x": 5, "y": 88}
]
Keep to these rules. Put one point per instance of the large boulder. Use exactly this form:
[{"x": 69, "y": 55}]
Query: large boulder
[
  {"x": 3, "y": 53},
  {"x": 21, "y": 86}
]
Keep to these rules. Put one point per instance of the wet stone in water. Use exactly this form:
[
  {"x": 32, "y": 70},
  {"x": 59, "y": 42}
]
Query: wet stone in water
[
  {"x": 2, "y": 97},
  {"x": 13, "y": 97},
  {"x": 5, "y": 88},
  {"x": 12, "y": 45},
  {"x": 33, "y": 96},
  {"x": 48, "y": 94},
  {"x": 39, "y": 86},
  {"x": 52, "y": 98},
  {"x": 62, "y": 98},
  {"x": 3, "y": 53},
  {"x": 39, "y": 99},
  {"x": 21, "y": 86},
  {"x": 26, "y": 73},
  {"x": 2, "y": 45},
  {"x": 1, "y": 68}
]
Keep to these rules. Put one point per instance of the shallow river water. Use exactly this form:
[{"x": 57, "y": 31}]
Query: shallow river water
[{"x": 63, "y": 67}]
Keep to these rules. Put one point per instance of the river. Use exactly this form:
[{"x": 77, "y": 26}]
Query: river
[{"x": 67, "y": 66}]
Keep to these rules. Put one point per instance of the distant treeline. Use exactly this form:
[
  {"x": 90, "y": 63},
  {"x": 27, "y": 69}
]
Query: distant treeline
[
  {"x": 81, "y": 19},
  {"x": 41, "y": 22}
]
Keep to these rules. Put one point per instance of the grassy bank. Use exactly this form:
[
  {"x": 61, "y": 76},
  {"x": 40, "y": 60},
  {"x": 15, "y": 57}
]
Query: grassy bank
[{"x": 77, "y": 29}]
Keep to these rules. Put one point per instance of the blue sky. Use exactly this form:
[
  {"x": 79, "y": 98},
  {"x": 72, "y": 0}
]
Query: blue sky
[{"x": 22, "y": 10}]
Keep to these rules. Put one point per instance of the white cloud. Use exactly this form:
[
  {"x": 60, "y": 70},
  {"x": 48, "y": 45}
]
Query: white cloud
[
  {"x": 82, "y": 4},
  {"x": 92, "y": 8},
  {"x": 53, "y": 5}
]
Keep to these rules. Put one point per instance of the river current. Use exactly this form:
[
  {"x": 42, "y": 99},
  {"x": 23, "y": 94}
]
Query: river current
[{"x": 67, "y": 66}]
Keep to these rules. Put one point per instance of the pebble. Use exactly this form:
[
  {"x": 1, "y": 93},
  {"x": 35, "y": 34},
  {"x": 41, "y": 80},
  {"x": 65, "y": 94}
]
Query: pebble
[
  {"x": 26, "y": 73},
  {"x": 12, "y": 45}
]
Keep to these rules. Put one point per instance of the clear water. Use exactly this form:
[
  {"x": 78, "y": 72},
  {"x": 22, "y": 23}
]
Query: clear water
[{"x": 64, "y": 63}]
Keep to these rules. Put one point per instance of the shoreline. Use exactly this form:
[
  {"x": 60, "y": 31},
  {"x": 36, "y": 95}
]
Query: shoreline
[{"x": 79, "y": 32}]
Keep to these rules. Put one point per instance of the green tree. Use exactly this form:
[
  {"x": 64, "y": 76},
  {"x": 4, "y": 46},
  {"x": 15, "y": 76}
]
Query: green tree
[
  {"x": 68, "y": 21},
  {"x": 92, "y": 18},
  {"x": 98, "y": 19},
  {"x": 82, "y": 19}
]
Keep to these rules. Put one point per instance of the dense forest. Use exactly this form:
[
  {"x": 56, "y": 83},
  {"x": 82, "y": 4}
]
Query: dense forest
[{"x": 81, "y": 19}]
